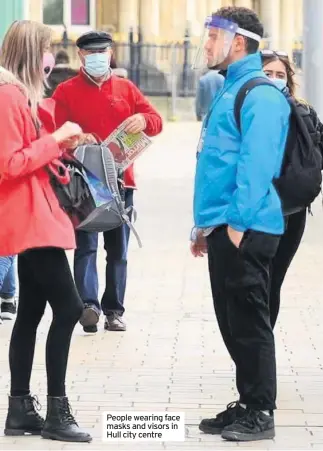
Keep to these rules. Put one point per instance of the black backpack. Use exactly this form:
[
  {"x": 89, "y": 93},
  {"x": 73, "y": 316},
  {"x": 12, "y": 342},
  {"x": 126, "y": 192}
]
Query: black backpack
[
  {"x": 300, "y": 180},
  {"x": 98, "y": 160},
  {"x": 94, "y": 197}
]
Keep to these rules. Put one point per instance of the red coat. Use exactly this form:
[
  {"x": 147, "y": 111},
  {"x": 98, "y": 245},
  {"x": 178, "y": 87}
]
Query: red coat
[
  {"x": 30, "y": 215},
  {"x": 99, "y": 110}
]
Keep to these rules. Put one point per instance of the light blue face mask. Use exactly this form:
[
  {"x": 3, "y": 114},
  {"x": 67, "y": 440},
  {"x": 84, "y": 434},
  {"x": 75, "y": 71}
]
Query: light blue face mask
[
  {"x": 279, "y": 82},
  {"x": 97, "y": 64}
]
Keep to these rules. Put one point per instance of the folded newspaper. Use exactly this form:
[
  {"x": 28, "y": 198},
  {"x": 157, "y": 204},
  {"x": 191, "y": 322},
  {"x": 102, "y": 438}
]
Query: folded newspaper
[{"x": 126, "y": 147}]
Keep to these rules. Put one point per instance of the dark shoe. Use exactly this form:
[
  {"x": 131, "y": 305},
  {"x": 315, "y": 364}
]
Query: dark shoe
[
  {"x": 90, "y": 329},
  {"x": 8, "y": 309},
  {"x": 254, "y": 425},
  {"x": 90, "y": 316},
  {"x": 115, "y": 322},
  {"x": 60, "y": 423},
  {"x": 23, "y": 417},
  {"x": 223, "y": 419}
]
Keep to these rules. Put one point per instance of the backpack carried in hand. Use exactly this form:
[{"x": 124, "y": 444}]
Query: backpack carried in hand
[
  {"x": 83, "y": 196},
  {"x": 300, "y": 180},
  {"x": 99, "y": 160}
]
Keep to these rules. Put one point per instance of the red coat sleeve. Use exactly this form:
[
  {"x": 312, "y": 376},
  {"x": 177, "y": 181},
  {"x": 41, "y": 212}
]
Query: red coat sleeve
[
  {"x": 16, "y": 160},
  {"x": 153, "y": 119},
  {"x": 61, "y": 106}
]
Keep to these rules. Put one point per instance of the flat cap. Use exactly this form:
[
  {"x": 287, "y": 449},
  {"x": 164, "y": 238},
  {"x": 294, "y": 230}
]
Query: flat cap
[{"x": 94, "y": 40}]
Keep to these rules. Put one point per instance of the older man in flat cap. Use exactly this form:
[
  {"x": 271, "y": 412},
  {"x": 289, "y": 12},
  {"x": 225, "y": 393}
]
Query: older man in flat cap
[{"x": 99, "y": 102}]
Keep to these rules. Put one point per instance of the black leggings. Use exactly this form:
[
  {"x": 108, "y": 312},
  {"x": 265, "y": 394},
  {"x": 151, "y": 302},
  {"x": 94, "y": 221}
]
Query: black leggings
[
  {"x": 289, "y": 243},
  {"x": 44, "y": 275}
]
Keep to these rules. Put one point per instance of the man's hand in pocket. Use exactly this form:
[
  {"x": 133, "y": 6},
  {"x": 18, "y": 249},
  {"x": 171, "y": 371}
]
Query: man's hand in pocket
[{"x": 235, "y": 236}]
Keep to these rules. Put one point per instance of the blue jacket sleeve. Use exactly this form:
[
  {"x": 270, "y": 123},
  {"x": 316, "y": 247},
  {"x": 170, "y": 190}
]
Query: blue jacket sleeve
[{"x": 264, "y": 128}]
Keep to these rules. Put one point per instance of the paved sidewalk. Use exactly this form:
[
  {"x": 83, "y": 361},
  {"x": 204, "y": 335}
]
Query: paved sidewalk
[{"x": 172, "y": 357}]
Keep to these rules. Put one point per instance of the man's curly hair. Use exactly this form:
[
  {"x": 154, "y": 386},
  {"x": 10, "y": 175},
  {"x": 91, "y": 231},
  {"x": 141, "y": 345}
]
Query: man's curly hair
[{"x": 247, "y": 19}]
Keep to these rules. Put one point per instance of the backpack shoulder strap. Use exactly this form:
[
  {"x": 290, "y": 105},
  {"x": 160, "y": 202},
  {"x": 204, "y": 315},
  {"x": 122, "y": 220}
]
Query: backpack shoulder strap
[
  {"x": 242, "y": 93},
  {"x": 110, "y": 173}
]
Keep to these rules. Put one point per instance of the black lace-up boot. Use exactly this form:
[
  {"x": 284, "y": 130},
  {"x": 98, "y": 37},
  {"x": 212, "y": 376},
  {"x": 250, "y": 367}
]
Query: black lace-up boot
[
  {"x": 60, "y": 423},
  {"x": 23, "y": 417}
]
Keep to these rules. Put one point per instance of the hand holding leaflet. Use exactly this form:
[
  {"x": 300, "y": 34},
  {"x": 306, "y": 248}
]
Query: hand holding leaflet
[{"x": 126, "y": 147}]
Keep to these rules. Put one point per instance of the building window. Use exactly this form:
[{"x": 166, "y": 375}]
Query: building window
[
  {"x": 68, "y": 12},
  {"x": 53, "y": 12},
  {"x": 80, "y": 12}
]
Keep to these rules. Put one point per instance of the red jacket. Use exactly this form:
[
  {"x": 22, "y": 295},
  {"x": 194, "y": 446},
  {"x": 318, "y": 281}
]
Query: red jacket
[
  {"x": 99, "y": 110},
  {"x": 30, "y": 215}
]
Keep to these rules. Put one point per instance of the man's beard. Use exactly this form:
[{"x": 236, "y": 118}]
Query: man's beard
[{"x": 221, "y": 66}]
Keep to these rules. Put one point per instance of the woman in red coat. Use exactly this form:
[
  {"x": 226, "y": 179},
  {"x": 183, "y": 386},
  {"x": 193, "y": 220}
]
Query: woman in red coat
[{"x": 35, "y": 227}]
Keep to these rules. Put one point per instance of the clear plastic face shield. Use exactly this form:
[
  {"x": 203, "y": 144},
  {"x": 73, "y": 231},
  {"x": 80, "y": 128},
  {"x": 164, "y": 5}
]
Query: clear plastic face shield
[{"x": 216, "y": 41}]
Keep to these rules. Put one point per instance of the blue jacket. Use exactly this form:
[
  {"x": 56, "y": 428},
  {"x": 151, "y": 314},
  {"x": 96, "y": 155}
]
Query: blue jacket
[
  {"x": 209, "y": 84},
  {"x": 234, "y": 173}
]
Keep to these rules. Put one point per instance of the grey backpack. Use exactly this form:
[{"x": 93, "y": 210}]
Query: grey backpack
[{"x": 99, "y": 160}]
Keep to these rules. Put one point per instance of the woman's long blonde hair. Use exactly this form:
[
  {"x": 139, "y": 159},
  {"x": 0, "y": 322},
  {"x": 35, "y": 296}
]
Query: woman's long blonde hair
[{"x": 22, "y": 53}]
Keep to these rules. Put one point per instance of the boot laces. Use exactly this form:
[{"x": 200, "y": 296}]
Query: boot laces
[
  {"x": 230, "y": 410},
  {"x": 66, "y": 412},
  {"x": 232, "y": 405},
  {"x": 33, "y": 405}
]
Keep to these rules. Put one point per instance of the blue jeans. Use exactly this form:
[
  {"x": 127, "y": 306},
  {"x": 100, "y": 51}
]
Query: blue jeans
[
  {"x": 7, "y": 277},
  {"x": 85, "y": 267}
]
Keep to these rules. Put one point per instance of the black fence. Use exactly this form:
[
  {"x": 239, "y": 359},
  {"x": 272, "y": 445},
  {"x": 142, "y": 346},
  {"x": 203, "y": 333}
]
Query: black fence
[{"x": 153, "y": 68}]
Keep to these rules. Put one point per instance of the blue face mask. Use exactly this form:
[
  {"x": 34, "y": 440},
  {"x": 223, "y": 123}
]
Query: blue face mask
[
  {"x": 279, "y": 82},
  {"x": 97, "y": 64}
]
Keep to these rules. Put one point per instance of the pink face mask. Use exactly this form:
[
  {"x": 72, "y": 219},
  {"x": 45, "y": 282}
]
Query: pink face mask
[{"x": 48, "y": 63}]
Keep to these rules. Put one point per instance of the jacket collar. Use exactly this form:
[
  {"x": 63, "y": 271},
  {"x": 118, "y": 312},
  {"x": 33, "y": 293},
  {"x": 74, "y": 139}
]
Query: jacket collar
[
  {"x": 249, "y": 63},
  {"x": 7, "y": 78},
  {"x": 46, "y": 106}
]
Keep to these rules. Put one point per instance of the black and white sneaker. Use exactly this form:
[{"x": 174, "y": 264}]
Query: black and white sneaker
[
  {"x": 254, "y": 425},
  {"x": 8, "y": 309}
]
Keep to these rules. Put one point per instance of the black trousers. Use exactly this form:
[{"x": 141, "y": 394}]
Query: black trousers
[
  {"x": 44, "y": 275},
  {"x": 239, "y": 282},
  {"x": 288, "y": 246}
]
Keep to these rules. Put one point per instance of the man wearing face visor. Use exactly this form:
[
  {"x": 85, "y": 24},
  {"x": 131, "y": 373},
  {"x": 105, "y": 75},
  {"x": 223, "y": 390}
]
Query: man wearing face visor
[
  {"x": 99, "y": 102},
  {"x": 238, "y": 217}
]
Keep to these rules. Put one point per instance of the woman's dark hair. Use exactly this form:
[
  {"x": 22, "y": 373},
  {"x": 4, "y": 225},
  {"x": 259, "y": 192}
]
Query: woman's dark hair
[
  {"x": 245, "y": 18},
  {"x": 62, "y": 57},
  {"x": 291, "y": 85}
]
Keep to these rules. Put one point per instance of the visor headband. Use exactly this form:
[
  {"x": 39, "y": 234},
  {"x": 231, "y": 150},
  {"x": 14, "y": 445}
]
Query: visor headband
[
  {"x": 231, "y": 27},
  {"x": 249, "y": 34}
]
